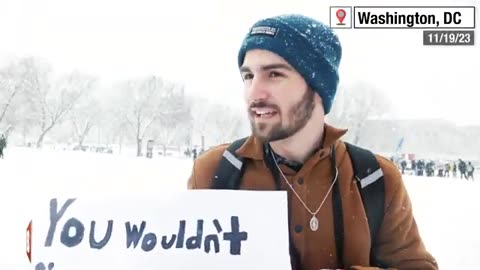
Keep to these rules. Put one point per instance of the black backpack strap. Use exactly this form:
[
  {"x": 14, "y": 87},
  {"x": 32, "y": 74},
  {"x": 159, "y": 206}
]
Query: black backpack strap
[
  {"x": 371, "y": 184},
  {"x": 337, "y": 212},
  {"x": 230, "y": 168}
]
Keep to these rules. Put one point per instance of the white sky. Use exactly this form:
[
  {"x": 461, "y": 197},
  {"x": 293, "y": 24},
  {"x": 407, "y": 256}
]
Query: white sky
[{"x": 196, "y": 42}]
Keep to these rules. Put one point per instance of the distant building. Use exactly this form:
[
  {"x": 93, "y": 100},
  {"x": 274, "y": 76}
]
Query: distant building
[{"x": 426, "y": 138}]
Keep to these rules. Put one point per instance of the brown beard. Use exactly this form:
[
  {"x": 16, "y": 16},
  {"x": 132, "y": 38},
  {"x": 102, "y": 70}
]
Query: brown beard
[{"x": 298, "y": 116}]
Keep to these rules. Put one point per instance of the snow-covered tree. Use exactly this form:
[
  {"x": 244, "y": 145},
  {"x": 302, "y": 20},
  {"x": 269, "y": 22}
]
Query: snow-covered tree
[
  {"x": 15, "y": 78},
  {"x": 51, "y": 102},
  {"x": 147, "y": 102},
  {"x": 176, "y": 130},
  {"x": 225, "y": 124},
  {"x": 9, "y": 88},
  {"x": 217, "y": 123},
  {"x": 355, "y": 104},
  {"x": 84, "y": 117}
]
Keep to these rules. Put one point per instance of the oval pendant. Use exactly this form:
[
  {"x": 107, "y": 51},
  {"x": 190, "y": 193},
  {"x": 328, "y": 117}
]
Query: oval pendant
[{"x": 314, "y": 223}]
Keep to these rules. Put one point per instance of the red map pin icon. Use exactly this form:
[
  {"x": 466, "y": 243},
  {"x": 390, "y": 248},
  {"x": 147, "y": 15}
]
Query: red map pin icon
[{"x": 341, "y": 14}]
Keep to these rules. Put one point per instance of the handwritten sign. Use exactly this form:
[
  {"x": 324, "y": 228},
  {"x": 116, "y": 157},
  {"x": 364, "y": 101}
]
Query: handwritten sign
[{"x": 201, "y": 229}]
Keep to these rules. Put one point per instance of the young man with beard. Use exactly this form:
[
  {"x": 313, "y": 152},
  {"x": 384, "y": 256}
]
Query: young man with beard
[{"x": 289, "y": 66}]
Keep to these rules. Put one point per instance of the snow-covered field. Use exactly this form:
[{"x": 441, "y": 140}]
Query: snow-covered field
[{"x": 447, "y": 210}]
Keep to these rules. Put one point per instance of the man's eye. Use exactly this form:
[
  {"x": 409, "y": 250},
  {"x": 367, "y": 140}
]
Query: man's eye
[
  {"x": 274, "y": 74},
  {"x": 247, "y": 76}
]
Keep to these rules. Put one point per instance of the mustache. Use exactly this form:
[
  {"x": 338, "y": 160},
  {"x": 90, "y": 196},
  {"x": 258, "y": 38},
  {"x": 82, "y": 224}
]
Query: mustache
[{"x": 263, "y": 104}]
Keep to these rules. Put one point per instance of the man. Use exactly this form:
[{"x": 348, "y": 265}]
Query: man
[
  {"x": 289, "y": 66},
  {"x": 462, "y": 167},
  {"x": 404, "y": 166},
  {"x": 470, "y": 170},
  {"x": 3, "y": 144},
  {"x": 448, "y": 168}
]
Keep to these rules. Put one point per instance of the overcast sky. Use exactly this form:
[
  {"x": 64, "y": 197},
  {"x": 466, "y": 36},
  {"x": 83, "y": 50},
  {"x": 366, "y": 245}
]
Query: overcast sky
[{"x": 196, "y": 42}]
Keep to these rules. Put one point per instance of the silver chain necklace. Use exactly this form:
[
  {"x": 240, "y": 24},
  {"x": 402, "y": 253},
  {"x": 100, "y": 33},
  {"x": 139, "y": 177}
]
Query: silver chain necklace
[{"x": 314, "y": 219}]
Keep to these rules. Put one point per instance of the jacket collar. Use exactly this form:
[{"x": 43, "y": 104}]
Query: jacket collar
[{"x": 253, "y": 148}]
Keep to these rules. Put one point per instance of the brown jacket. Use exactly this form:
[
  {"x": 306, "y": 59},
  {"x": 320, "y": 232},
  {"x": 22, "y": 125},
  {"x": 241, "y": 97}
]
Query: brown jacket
[{"x": 399, "y": 243}]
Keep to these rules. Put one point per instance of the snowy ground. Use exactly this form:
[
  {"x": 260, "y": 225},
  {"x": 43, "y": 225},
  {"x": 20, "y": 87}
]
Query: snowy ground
[{"x": 447, "y": 210}]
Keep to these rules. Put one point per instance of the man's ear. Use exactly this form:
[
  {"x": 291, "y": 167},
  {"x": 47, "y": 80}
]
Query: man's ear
[{"x": 317, "y": 98}]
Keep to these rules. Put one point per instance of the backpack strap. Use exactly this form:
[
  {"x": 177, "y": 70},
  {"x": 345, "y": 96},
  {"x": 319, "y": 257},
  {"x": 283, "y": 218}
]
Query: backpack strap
[
  {"x": 370, "y": 181},
  {"x": 337, "y": 212},
  {"x": 230, "y": 168}
]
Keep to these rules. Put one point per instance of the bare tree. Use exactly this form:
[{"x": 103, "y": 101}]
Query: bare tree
[
  {"x": 113, "y": 125},
  {"x": 51, "y": 102},
  {"x": 84, "y": 117},
  {"x": 137, "y": 105},
  {"x": 218, "y": 123},
  {"x": 14, "y": 79},
  {"x": 355, "y": 104},
  {"x": 146, "y": 102},
  {"x": 9, "y": 88},
  {"x": 200, "y": 108},
  {"x": 174, "y": 125},
  {"x": 24, "y": 77},
  {"x": 225, "y": 124}
]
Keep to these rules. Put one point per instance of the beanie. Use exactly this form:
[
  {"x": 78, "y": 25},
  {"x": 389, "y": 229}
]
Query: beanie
[{"x": 308, "y": 45}]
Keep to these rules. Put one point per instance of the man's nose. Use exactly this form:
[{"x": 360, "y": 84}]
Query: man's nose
[{"x": 258, "y": 89}]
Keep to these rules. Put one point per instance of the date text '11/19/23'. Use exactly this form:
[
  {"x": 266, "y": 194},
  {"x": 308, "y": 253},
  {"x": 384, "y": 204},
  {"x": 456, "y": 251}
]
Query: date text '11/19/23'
[{"x": 449, "y": 38}]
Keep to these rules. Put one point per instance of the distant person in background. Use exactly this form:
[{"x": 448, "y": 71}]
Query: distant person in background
[
  {"x": 414, "y": 167},
  {"x": 150, "y": 148},
  {"x": 420, "y": 167},
  {"x": 462, "y": 167},
  {"x": 188, "y": 153},
  {"x": 454, "y": 170},
  {"x": 430, "y": 169},
  {"x": 3, "y": 144},
  {"x": 470, "y": 170},
  {"x": 194, "y": 153},
  {"x": 448, "y": 168},
  {"x": 404, "y": 165},
  {"x": 441, "y": 170}
]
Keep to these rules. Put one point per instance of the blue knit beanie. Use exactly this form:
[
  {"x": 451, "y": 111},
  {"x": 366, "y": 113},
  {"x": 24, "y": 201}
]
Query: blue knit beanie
[{"x": 309, "y": 46}]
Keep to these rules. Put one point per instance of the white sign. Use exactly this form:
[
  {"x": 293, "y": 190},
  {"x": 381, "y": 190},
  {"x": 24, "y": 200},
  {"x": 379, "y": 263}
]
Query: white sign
[{"x": 195, "y": 229}]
